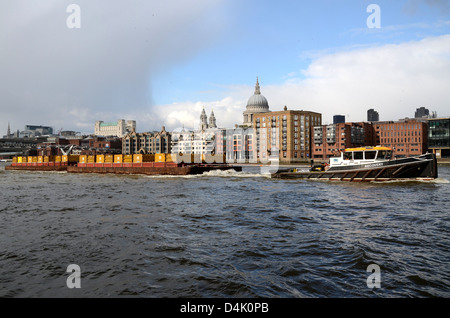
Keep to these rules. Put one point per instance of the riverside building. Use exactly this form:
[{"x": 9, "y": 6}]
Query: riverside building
[
  {"x": 439, "y": 137},
  {"x": 330, "y": 140},
  {"x": 208, "y": 139},
  {"x": 286, "y": 131},
  {"x": 147, "y": 142},
  {"x": 407, "y": 137},
  {"x": 117, "y": 129}
]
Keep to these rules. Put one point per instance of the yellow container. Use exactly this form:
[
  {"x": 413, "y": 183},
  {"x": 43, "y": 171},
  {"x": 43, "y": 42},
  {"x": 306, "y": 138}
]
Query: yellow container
[
  {"x": 91, "y": 159},
  {"x": 100, "y": 159},
  {"x": 128, "y": 158},
  {"x": 30, "y": 159},
  {"x": 14, "y": 160},
  {"x": 40, "y": 159},
  {"x": 160, "y": 157},
  {"x": 57, "y": 158},
  {"x": 35, "y": 159},
  {"x": 118, "y": 158},
  {"x": 109, "y": 158},
  {"x": 83, "y": 159},
  {"x": 19, "y": 159},
  {"x": 46, "y": 159},
  {"x": 137, "y": 158},
  {"x": 64, "y": 158},
  {"x": 171, "y": 157}
]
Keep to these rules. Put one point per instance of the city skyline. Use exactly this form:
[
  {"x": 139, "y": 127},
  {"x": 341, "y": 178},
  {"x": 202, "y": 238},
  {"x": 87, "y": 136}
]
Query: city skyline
[{"x": 162, "y": 63}]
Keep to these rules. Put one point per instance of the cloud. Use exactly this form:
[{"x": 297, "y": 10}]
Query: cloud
[
  {"x": 53, "y": 75},
  {"x": 412, "y": 7},
  {"x": 394, "y": 79}
]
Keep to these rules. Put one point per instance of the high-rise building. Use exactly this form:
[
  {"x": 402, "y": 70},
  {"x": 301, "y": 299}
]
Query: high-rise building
[
  {"x": 439, "y": 137},
  {"x": 421, "y": 112},
  {"x": 337, "y": 119},
  {"x": 372, "y": 115}
]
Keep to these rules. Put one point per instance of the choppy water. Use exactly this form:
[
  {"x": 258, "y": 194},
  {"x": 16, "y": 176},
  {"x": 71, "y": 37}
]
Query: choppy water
[{"x": 221, "y": 235}]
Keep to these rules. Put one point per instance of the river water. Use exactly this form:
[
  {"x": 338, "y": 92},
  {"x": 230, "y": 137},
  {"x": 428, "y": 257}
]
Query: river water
[{"x": 222, "y": 234}]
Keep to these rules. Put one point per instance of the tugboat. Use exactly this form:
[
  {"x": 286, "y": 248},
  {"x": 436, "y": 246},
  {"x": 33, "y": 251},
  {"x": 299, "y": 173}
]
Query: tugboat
[{"x": 367, "y": 164}]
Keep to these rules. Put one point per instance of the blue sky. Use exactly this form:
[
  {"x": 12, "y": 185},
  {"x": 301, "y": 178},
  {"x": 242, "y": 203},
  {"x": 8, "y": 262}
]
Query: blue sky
[
  {"x": 161, "y": 62},
  {"x": 276, "y": 39}
]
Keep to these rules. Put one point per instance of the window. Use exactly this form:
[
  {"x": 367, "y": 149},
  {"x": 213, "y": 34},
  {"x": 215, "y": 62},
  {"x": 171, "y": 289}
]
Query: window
[
  {"x": 358, "y": 155},
  {"x": 370, "y": 154}
]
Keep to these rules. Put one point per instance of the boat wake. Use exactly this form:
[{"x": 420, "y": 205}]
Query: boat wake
[
  {"x": 215, "y": 174},
  {"x": 415, "y": 180}
]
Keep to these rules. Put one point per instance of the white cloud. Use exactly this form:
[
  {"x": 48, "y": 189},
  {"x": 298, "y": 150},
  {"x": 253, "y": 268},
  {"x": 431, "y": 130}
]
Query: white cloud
[{"x": 394, "y": 79}]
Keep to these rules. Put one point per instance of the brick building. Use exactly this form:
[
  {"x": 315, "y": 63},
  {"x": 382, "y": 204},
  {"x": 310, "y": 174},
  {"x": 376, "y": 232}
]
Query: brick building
[
  {"x": 147, "y": 142},
  {"x": 329, "y": 140},
  {"x": 288, "y": 131},
  {"x": 408, "y": 137}
]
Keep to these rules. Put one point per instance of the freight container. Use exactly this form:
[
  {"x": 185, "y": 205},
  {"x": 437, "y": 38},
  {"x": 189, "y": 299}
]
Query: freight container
[
  {"x": 109, "y": 158},
  {"x": 127, "y": 158},
  {"x": 137, "y": 158},
  {"x": 160, "y": 157},
  {"x": 118, "y": 158},
  {"x": 171, "y": 157}
]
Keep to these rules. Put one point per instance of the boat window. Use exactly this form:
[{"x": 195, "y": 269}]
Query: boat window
[
  {"x": 384, "y": 154},
  {"x": 370, "y": 154},
  {"x": 347, "y": 156},
  {"x": 358, "y": 155}
]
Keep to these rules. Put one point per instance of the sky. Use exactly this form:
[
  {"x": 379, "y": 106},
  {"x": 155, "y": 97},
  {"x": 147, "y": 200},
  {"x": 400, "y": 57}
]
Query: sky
[{"x": 161, "y": 62}]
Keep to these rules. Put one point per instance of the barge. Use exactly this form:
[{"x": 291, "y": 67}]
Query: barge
[
  {"x": 159, "y": 164},
  {"x": 367, "y": 164}
]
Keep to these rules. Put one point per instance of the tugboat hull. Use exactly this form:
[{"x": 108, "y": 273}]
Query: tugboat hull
[{"x": 421, "y": 167}]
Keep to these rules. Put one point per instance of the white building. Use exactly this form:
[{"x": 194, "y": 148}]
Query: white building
[
  {"x": 201, "y": 141},
  {"x": 117, "y": 129}
]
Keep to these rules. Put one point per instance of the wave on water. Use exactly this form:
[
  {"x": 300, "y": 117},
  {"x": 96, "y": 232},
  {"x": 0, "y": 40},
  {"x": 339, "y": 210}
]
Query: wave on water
[
  {"x": 216, "y": 173},
  {"x": 414, "y": 180}
]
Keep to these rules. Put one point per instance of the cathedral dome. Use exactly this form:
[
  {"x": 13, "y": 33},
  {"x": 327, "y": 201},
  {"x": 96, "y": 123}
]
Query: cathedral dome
[{"x": 257, "y": 102}]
